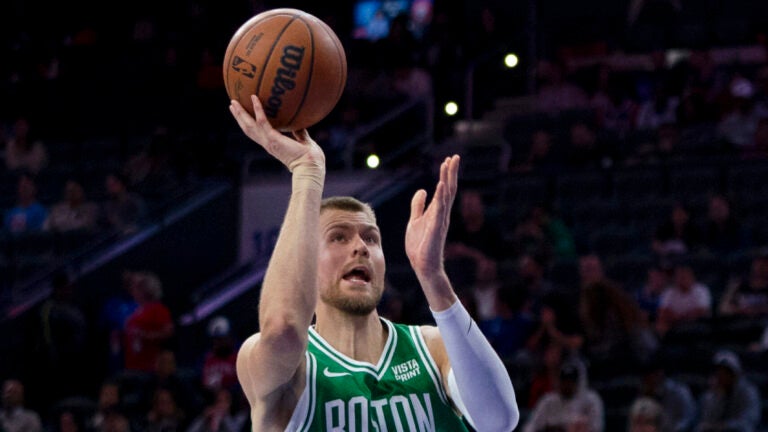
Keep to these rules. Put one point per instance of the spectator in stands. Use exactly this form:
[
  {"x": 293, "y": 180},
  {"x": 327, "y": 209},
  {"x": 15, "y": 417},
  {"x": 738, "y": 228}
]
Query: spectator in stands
[
  {"x": 221, "y": 414},
  {"x": 748, "y": 297},
  {"x": 545, "y": 234},
  {"x": 477, "y": 238},
  {"x": 615, "y": 111},
  {"x": 733, "y": 402},
  {"x": 534, "y": 284},
  {"x": 677, "y": 406},
  {"x": 556, "y": 323},
  {"x": 115, "y": 421},
  {"x": 167, "y": 375},
  {"x": 585, "y": 150},
  {"x": 74, "y": 211},
  {"x": 150, "y": 327},
  {"x": 574, "y": 406},
  {"x": 114, "y": 313},
  {"x": 591, "y": 270},
  {"x": 63, "y": 332},
  {"x": 485, "y": 291},
  {"x": 412, "y": 81},
  {"x": 546, "y": 374},
  {"x": 645, "y": 415},
  {"x": 540, "y": 156},
  {"x": 69, "y": 420},
  {"x": 511, "y": 326},
  {"x": 663, "y": 149},
  {"x": 616, "y": 333},
  {"x": 219, "y": 365},
  {"x": 661, "y": 109},
  {"x": 23, "y": 151},
  {"x": 124, "y": 210},
  {"x": 109, "y": 400},
  {"x": 556, "y": 93},
  {"x": 677, "y": 235},
  {"x": 668, "y": 143},
  {"x": 28, "y": 215},
  {"x": 722, "y": 232},
  {"x": 151, "y": 169},
  {"x": 738, "y": 124},
  {"x": 165, "y": 414},
  {"x": 14, "y": 417},
  {"x": 648, "y": 296},
  {"x": 686, "y": 301}
]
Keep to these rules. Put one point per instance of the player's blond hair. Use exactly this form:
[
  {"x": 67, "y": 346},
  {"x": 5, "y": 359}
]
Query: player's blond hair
[{"x": 347, "y": 203}]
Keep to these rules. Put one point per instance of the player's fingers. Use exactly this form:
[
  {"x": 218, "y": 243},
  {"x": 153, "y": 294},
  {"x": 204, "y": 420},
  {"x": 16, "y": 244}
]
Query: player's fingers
[
  {"x": 453, "y": 177},
  {"x": 441, "y": 203},
  {"x": 417, "y": 204},
  {"x": 445, "y": 176},
  {"x": 258, "y": 114},
  {"x": 242, "y": 117}
]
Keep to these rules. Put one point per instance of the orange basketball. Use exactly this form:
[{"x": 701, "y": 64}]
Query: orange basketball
[{"x": 292, "y": 61}]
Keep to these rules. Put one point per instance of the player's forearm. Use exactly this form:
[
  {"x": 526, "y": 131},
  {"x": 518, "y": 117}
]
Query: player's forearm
[
  {"x": 480, "y": 382},
  {"x": 437, "y": 289},
  {"x": 289, "y": 294}
]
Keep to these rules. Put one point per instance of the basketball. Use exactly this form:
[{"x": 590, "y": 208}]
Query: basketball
[{"x": 292, "y": 61}]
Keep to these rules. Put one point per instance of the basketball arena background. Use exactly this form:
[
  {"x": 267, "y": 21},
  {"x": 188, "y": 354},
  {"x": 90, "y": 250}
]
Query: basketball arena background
[{"x": 585, "y": 126}]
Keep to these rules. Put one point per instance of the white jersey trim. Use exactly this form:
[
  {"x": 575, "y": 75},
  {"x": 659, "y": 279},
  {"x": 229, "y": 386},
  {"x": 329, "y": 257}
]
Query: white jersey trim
[
  {"x": 305, "y": 407},
  {"x": 426, "y": 358},
  {"x": 353, "y": 365}
]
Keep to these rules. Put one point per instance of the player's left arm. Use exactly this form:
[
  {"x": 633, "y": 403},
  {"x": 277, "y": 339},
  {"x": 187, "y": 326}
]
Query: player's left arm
[{"x": 475, "y": 376}]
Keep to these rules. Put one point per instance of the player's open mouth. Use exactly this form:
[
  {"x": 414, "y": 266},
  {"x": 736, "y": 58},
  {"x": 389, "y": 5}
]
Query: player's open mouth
[{"x": 358, "y": 274}]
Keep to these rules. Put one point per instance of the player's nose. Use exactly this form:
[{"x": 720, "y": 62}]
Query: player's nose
[{"x": 360, "y": 248}]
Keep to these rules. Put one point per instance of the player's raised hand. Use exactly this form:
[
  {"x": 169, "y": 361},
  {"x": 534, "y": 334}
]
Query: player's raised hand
[
  {"x": 301, "y": 150},
  {"x": 428, "y": 227}
]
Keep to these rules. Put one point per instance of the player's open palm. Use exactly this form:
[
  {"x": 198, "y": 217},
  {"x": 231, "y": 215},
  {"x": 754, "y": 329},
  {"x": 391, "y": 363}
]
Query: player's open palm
[
  {"x": 299, "y": 151},
  {"x": 428, "y": 227}
]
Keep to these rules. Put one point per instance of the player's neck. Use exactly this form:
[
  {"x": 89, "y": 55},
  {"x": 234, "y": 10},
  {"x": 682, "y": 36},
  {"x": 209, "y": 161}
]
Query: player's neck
[{"x": 360, "y": 338}]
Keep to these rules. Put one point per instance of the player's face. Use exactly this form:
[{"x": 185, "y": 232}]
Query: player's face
[{"x": 351, "y": 261}]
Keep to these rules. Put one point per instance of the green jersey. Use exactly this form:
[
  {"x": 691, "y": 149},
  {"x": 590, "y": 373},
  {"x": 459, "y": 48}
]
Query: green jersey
[{"x": 402, "y": 393}]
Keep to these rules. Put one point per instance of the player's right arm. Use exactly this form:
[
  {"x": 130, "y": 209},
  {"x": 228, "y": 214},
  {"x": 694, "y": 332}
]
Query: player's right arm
[{"x": 270, "y": 364}]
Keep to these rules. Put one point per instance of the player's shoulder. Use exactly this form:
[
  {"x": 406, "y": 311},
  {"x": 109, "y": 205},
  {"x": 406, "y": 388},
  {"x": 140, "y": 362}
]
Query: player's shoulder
[
  {"x": 432, "y": 339},
  {"x": 429, "y": 332}
]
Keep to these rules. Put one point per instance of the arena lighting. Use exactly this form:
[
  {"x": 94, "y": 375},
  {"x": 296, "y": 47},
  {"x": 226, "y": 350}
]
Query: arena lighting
[
  {"x": 511, "y": 60},
  {"x": 372, "y": 161},
  {"x": 451, "y": 108}
]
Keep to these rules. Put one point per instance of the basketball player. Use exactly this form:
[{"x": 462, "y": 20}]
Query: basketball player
[{"x": 353, "y": 370}]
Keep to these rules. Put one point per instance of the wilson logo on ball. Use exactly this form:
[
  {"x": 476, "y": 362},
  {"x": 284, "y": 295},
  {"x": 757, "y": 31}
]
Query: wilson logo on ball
[{"x": 284, "y": 80}]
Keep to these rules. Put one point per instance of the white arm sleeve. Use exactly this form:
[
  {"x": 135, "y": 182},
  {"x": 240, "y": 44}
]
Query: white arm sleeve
[{"x": 478, "y": 381}]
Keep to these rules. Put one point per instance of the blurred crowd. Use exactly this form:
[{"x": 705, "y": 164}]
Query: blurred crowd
[{"x": 593, "y": 343}]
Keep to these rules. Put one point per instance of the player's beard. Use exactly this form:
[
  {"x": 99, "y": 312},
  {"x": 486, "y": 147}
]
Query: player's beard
[{"x": 359, "y": 305}]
